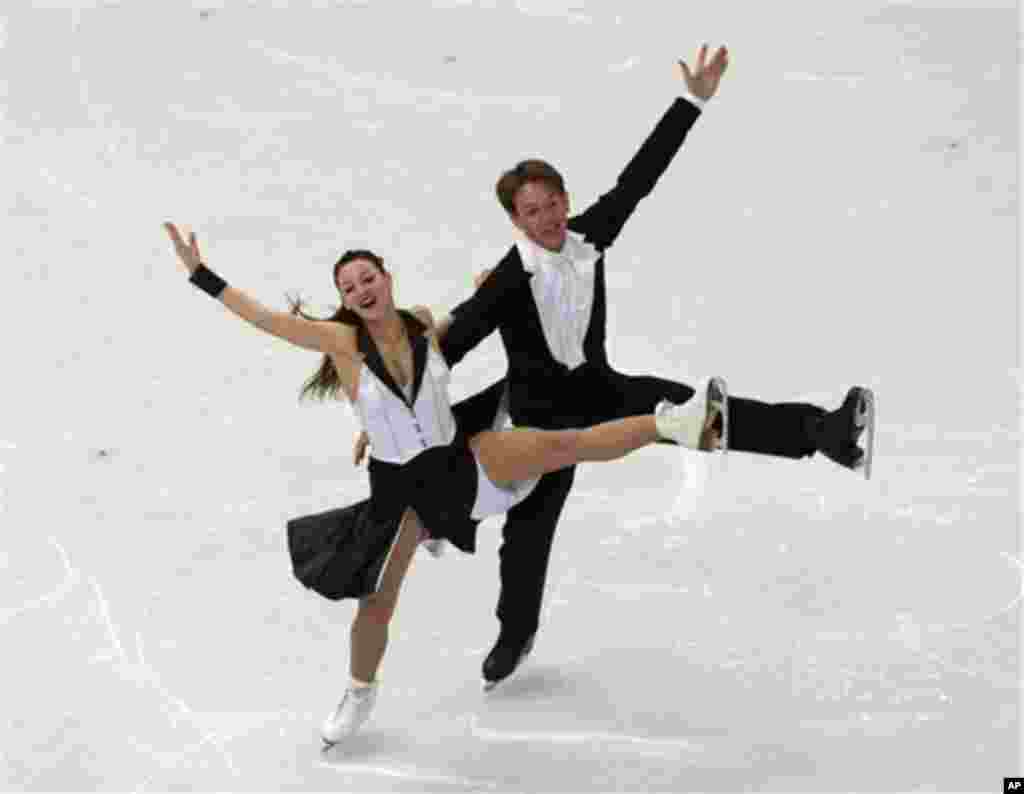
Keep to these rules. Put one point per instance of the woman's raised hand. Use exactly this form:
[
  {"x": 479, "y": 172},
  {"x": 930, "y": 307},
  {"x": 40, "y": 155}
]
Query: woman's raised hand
[{"x": 188, "y": 254}]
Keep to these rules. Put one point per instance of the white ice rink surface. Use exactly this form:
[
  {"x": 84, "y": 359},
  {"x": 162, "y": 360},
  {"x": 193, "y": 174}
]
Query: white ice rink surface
[{"x": 844, "y": 212}]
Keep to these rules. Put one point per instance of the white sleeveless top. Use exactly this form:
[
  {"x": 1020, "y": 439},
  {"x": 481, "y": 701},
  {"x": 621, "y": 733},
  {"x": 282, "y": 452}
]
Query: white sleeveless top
[{"x": 398, "y": 432}]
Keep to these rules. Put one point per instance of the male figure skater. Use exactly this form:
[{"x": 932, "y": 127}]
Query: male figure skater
[{"x": 547, "y": 298}]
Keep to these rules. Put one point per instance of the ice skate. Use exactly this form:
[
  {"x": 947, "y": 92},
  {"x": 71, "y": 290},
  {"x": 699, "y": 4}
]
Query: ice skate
[
  {"x": 702, "y": 422},
  {"x": 838, "y": 432},
  {"x": 349, "y": 716},
  {"x": 505, "y": 658}
]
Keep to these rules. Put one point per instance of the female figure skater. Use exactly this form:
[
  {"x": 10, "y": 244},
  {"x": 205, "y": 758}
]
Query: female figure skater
[{"x": 434, "y": 471}]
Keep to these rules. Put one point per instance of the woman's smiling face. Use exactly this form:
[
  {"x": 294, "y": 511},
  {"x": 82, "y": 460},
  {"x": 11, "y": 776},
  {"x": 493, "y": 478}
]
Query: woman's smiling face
[{"x": 365, "y": 289}]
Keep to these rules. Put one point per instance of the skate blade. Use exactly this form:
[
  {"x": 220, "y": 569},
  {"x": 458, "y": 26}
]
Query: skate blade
[
  {"x": 869, "y": 425},
  {"x": 723, "y": 406},
  {"x": 490, "y": 686},
  {"x": 718, "y": 398},
  {"x": 864, "y": 419}
]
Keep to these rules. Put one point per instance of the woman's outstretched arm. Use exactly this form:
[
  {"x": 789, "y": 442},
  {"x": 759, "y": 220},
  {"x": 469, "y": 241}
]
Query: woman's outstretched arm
[{"x": 324, "y": 337}]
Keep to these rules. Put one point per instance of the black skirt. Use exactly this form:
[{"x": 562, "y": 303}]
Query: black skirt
[{"x": 340, "y": 553}]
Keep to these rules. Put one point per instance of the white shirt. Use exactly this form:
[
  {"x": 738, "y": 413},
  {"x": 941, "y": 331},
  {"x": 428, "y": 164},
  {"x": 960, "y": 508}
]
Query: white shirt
[
  {"x": 563, "y": 286},
  {"x": 397, "y": 433},
  {"x": 563, "y": 289}
]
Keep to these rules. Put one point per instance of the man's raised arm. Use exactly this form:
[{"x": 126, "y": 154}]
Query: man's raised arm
[{"x": 601, "y": 223}]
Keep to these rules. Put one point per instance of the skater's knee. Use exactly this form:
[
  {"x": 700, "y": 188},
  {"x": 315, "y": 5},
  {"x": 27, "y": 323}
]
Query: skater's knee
[
  {"x": 377, "y": 608},
  {"x": 564, "y": 448}
]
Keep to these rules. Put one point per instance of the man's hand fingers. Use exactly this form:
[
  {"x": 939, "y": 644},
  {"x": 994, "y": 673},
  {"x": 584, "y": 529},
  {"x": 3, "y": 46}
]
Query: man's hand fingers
[
  {"x": 721, "y": 60},
  {"x": 702, "y": 57}
]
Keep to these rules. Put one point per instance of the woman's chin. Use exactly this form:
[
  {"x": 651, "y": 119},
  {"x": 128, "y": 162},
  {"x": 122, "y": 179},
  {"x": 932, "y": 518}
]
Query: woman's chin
[{"x": 375, "y": 312}]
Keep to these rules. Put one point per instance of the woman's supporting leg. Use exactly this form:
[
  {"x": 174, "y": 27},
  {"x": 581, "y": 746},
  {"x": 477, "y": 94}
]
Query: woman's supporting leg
[
  {"x": 369, "y": 636},
  {"x": 522, "y": 453}
]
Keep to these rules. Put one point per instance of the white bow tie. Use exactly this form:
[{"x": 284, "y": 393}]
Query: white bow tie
[{"x": 577, "y": 253}]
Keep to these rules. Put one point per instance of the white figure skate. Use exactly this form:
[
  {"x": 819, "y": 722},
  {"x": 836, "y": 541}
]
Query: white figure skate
[
  {"x": 691, "y": 424},
  {"x": 349, "y": 716}
]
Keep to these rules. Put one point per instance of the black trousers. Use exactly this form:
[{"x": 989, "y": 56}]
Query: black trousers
[{"x": 604, "y": 394}]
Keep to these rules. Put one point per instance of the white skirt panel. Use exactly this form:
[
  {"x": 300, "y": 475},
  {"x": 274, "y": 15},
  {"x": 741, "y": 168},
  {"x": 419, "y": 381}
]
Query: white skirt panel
[{"x": 492, "y": 500}]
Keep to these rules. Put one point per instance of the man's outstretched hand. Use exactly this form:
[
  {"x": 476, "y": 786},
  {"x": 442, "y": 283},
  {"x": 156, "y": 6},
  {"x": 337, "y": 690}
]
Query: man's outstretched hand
[{"x": 703, "y": 81}]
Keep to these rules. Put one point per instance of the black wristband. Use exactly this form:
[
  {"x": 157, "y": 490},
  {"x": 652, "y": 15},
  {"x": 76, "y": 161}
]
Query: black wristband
[{"x": 208, "y": 281}]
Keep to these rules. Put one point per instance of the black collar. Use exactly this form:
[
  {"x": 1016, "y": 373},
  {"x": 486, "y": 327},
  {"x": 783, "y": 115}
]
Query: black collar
[{"x": 414, "y": 331}]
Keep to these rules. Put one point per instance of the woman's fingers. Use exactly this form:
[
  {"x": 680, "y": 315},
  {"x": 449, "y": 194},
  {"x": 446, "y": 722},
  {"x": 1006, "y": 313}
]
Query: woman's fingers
[
  {"x": 172, "y": 231},
  {"x": 362, "y": 440},
  {"x": 188, "y": 254},
  {"x": 179, "y": 244}
]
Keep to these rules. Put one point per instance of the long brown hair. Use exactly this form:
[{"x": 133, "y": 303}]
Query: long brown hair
[{"x": 325, "y": 383}]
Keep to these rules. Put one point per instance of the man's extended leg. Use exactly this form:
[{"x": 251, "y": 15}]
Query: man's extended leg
[
  {"x": 784, "y": 429},
  {"x": 528, "y": 534}
]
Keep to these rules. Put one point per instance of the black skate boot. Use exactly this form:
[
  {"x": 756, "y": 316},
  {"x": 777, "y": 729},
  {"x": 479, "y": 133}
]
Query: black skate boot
[
  {"x": 837, "y": 433},
  {"x": 505, "y": 657}
]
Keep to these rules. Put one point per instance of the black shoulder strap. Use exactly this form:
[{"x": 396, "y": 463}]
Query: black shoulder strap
[{"x": 415, "y": 329}]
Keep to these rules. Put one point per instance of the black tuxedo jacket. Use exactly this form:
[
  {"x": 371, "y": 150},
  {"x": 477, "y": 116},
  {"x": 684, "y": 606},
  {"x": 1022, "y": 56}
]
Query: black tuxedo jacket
[{"x": 541, "y": 391}]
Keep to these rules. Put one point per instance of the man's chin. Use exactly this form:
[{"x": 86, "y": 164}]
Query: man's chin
[{"x": 555, "y": 242}]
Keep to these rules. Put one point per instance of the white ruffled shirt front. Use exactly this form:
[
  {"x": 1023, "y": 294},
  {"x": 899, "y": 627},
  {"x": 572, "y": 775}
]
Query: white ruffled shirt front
[
  {"x": 563, "y": 289},
  {"x": 563, "y": 286}
]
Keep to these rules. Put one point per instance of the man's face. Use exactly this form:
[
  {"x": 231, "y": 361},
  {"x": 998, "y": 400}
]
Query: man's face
[{"x": 542, "y": 214}]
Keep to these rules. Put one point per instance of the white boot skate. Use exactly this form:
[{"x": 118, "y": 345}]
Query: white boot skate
[
  {"x": 349, "y": 716},
  {"x": 691, "y": 424}
]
